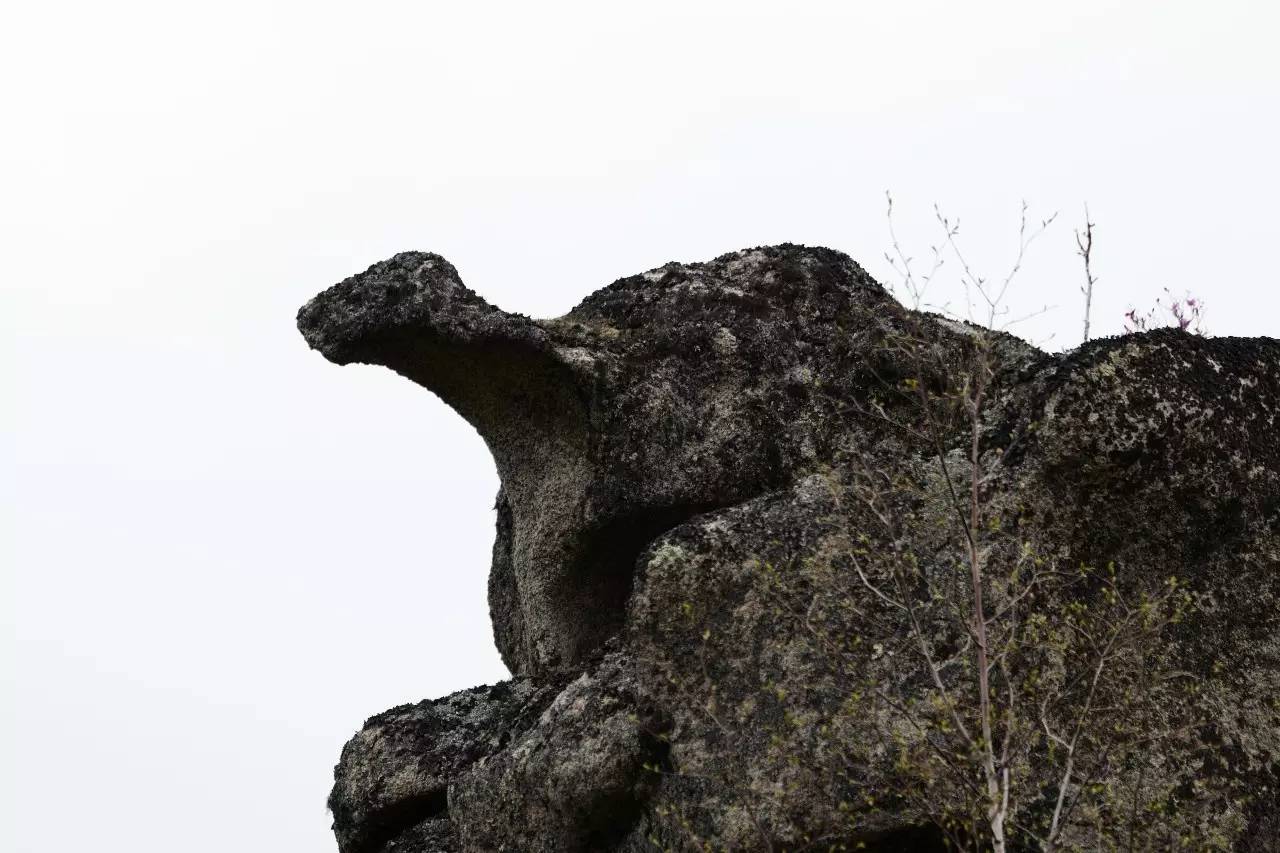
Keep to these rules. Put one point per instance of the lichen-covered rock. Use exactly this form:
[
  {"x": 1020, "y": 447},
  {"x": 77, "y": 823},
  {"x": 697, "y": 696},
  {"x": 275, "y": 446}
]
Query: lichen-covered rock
[
  {"x": 1161, "y": 452},
  {"x": 391, "y": 786},
  {"x": 572, "y": 784},
  {"x": 434, "y": 835},
  {"x": 665, "y": 394},
  {"x": 704, "y": 467},
  {"x": 721, "y": 623}
]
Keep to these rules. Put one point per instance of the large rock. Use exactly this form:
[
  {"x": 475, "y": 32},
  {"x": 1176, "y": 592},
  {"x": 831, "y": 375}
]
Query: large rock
[
  {"x": 685, "y": 460},
  {"x": 661, "y": 396}
]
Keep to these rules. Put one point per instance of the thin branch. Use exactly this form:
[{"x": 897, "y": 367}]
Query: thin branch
[{"x": 1084, "y": 248}]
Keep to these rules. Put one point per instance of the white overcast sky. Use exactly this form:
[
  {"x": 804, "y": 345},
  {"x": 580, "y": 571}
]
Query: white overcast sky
[{"x": 221, "y": 553}]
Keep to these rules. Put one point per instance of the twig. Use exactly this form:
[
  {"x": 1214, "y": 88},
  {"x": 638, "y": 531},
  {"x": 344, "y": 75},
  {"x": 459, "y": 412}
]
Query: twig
[{"x": 1084, "y": 246}]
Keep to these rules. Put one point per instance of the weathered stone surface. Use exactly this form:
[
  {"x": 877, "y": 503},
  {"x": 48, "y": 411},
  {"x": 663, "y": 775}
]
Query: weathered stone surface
[
  {"x": 682, "y": 458},
  {"x": 391, "y": 785},
  {"x": 434, "y": 835},
  {"x": 665, "y": 394},
  {"x": 575, "y": 782}
]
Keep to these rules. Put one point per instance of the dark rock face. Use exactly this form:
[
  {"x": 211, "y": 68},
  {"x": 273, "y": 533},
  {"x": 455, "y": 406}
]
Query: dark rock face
[
  {"x": 394, "y": 776},
  {"x": 681, "y": 429},
  {"x": 575, "y": 782},
  {"x": 661, "y": 396}
]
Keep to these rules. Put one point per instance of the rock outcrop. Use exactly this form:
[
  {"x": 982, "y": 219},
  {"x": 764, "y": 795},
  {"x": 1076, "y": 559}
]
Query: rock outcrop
[{"x": 684, "y": 461}]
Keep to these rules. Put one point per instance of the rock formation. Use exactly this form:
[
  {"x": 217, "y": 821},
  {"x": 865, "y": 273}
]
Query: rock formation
[{"x": 680, "y": 457}]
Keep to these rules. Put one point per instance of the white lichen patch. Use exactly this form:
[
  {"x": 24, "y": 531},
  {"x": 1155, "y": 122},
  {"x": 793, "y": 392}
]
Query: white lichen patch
[{"x": 724, "y": 342}]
